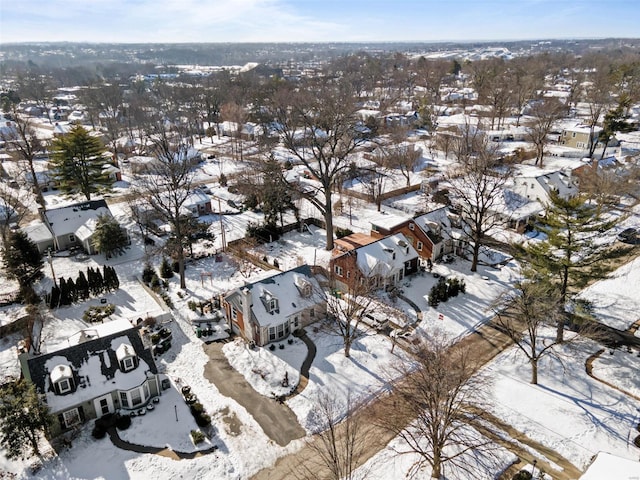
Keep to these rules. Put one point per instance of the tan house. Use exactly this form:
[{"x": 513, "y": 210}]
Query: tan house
[{"x": 578, "y": 136}]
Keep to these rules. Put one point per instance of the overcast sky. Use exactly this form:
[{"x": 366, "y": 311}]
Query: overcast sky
[{"x": 314, "y": 20}]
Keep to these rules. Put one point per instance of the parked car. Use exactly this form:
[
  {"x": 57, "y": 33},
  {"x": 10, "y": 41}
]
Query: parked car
[
  {"x": 628, "y": 235},
  {"x": 375, "y": 322}
]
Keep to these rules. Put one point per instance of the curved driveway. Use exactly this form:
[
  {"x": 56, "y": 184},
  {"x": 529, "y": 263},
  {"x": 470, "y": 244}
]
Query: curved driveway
[{"x": 277, "y": 420}]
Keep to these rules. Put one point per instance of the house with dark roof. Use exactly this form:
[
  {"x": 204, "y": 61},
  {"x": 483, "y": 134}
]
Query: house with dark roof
[
  {"x": 75, "y": 225},
  {"x": 103, "y": 369},
  {"x": 269, "y": 310},
  {"x": 429, "y": 233}
]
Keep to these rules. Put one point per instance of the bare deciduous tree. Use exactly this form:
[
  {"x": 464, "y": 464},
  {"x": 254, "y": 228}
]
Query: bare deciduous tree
[
  {"x": 22, "y": 141},
  {"x": 167, "y": 185},
  {"x": 544, "y": 113},
  {"x": 439, "y": 393},
  {"x": 476, "y": 189},
  {"x": 522, "y": 314},
  {"x": 341, "y": 443},
  {"x": 318, "y": 126}
]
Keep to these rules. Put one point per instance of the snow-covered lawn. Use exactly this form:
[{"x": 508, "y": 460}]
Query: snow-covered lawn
[
  {"x": 616, "y": 298},
  {"x": 568, "y": 411}
]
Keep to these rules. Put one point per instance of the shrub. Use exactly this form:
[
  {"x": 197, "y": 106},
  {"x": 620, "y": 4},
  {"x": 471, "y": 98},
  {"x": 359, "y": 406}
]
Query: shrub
[
  {"x": 193, "y": 306},
  {"x": 155, "y": 282},
  {"x": 197, "y": 436},
  {"x": 203, "y": 420},
  {"x": 522, "y": 475},
  {"x": 262, "y": 233},
  {"x": 175, "y": 266},
  {"x": 98, "y": 432},
  {"x": 223, "y": 180},
  {"x": 147, "y": 273},
  {"x": 123, "y": 422},
  {"x": 165, "y": 268},
  {"x": 197, "y": 409},
  {"x": 155, "y": 338},
  {"x": 106, "y": 421},
  {"x": 636, "y": 441},
  {"x": 272, "y": 347},
  {"x": 343, "y": 232}
]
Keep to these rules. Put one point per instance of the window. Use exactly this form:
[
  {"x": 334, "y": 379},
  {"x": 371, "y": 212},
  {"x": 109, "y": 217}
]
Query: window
[
  {"x": 296, "y": 322},
  {"x": 136, "y": 397},
  {"x": 72, "y": 237},
  {"x": 573, "y": 134},
  {"x": 71, "y": 418},
  {"x": 273, "y": 304},
  {"x": 393, "y": 255},
  {"x": 272, "y": 333},
  {"x": 348, "y": 273},
  {"x": 419, "y": 246},
  {"x": 234, "y": 313},
  {"x": 64, "y": 385},
  {"x": 338, "y": 270},
  {"x": 128, "y": 364},
  {"x": 411, "y": 226},
  {"x": 104, "y": 406},
  {"x": 374, "y": 228},
  {"x": 124, "y": 399},
  {"x": 312, "y": 313}
]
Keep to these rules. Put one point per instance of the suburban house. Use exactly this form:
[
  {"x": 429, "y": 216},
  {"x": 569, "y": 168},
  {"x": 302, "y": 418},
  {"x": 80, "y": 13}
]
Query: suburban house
[
  {"x": 428, "y": 233},
  {"x": 382, "y": 262},
  {"x": 537, "y": 187},
  {"x": 578, "y": 136},
  {"x": 98, "y": 371},
  {"x": 197, "y": 203},
  {"x": 75, "y": 224},
  {"x": 269, "y": 310}
]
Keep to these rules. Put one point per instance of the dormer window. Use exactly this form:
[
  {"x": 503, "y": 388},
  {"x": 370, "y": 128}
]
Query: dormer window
[
  {"x": 411, "y": 226},
  {"x": 62, "y": 379},
  {"x": 127, "y": 358},
  {"x": 273, "y": 304}
]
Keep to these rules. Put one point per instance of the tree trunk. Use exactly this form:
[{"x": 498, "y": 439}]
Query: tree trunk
[
  {"x": 328, "y": 218},
  {"x": 534, "y": 371},
  {"x": 476, "y": 253},
  {"x": 436, "y": 471},
  {"x": 347, "y": 346},
  {"x": 183, "y": 284}
]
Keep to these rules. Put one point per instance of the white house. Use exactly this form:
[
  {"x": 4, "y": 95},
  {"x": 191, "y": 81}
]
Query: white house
[{"x": 537, "y": 186}]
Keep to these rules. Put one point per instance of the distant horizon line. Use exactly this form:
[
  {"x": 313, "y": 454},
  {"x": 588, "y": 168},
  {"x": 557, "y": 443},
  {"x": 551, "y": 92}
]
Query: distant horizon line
[{"x": 342, "y": 42}]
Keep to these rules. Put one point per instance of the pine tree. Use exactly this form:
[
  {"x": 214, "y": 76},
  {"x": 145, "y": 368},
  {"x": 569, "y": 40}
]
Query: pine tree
[
  {"x": 22, "y": 418},
  {"x": 109, "y": 237},
  {"x": 73, "y": 292},
  {"x": 65, "y": 299},
  {"x": 165, "y": 269},
  {"x": 570, "y": 256},
  {"x": 54, "y": 299},
  {"x": 99, "y": 283},
  {"x": 78, "y": 162},
  {"x": 82, "y": 286},
  {"x": 116, "y": 280},
  {"x": 22, "y": 260}
]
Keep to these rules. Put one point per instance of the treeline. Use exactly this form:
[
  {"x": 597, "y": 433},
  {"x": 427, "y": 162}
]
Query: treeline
[{"x": 92, "y": 284}]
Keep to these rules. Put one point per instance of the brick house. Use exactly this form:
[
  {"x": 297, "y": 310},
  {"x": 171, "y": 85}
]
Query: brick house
[{"x": 382, "y": 262}]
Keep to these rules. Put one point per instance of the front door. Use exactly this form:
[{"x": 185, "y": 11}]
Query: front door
[{"x": 103, "y": 405}]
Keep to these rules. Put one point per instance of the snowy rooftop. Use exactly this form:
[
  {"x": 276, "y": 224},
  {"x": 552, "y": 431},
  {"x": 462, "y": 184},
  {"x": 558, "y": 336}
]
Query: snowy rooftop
[{"x": 65, "y": 220}]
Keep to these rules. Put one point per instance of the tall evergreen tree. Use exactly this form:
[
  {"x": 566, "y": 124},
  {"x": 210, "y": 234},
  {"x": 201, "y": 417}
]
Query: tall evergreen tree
[
  {"x": 65, "y": 299},
  {"x": 22, "y": 418},
  {"x": 77, "y": 163},
  {"x": 109, "y": 237},
  {"x": 82, "y": 286},
  {"x": 54, "y": 299},
  {"x": 22, "y": 260},
  {"x": 73, "y": 292},
  {"x": 571, "y": 255}
]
